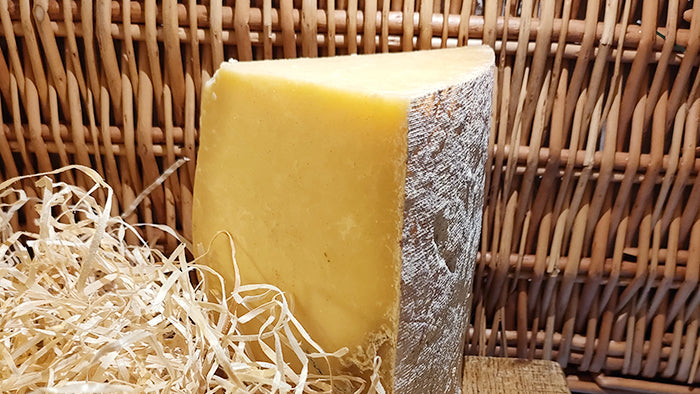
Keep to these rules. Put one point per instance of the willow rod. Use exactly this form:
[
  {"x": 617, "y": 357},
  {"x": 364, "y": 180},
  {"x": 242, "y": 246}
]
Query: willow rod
[
  {"x": 627, "y": 268},
  {"x": 574, "y": 30},
  {"x": 159, "y": 136},
  {"x": 138, "y": 33}
]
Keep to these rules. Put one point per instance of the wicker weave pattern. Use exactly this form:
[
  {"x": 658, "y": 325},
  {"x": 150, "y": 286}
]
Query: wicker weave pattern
[{"x": 590, "y": 250}]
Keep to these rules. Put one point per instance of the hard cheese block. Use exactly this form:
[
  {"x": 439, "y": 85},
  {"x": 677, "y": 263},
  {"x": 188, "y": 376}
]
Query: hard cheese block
[{"x": 355, "y": 184}]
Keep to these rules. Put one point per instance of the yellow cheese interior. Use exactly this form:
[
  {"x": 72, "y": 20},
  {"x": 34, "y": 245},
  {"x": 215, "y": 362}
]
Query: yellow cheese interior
[
  {"x": 405, "y": 74},
  {"x": 312, "y": 195},
  {"x": 304, "y": 163}
]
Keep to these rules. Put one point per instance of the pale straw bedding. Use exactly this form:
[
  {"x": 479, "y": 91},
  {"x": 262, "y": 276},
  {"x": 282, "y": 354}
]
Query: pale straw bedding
[{"x": 82, "y": 310}]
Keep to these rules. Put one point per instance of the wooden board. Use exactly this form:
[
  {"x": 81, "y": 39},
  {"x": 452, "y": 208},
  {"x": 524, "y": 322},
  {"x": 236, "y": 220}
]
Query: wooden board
[{"x": 511, "y": 375}]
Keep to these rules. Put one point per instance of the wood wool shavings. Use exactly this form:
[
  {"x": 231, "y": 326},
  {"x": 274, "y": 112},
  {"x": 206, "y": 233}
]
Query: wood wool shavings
[{"x": 81, "y": 310}]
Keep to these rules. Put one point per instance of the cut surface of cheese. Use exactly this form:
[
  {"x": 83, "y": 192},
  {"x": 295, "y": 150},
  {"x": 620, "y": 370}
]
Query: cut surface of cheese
[{"x": 354, "y": 184}]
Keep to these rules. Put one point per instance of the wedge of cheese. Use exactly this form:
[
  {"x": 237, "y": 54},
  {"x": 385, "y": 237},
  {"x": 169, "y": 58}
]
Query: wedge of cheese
[{"x": 354, "y": 184}]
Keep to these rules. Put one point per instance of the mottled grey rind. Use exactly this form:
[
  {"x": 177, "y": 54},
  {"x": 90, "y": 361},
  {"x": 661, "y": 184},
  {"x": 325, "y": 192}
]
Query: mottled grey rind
[{"x": 447, "y": 142}]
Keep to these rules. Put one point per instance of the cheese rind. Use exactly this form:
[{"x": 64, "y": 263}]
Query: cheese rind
[
  {"x": 442, "y": 215},
  {"x": 355, "y": 185}
]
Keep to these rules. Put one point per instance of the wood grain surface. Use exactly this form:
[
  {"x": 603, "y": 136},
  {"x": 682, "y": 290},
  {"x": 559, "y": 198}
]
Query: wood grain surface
[{"x": 512, "y": 375}]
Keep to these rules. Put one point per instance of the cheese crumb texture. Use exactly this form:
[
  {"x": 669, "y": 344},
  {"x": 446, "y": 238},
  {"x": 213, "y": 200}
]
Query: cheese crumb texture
[{"x": 355, "y": 185}]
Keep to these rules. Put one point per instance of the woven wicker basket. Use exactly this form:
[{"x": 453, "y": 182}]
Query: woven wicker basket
[{"x": 591, "y": 238}]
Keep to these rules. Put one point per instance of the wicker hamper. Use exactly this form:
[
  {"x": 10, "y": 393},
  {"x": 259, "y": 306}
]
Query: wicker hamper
[{"x": 590, "y": 252}]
